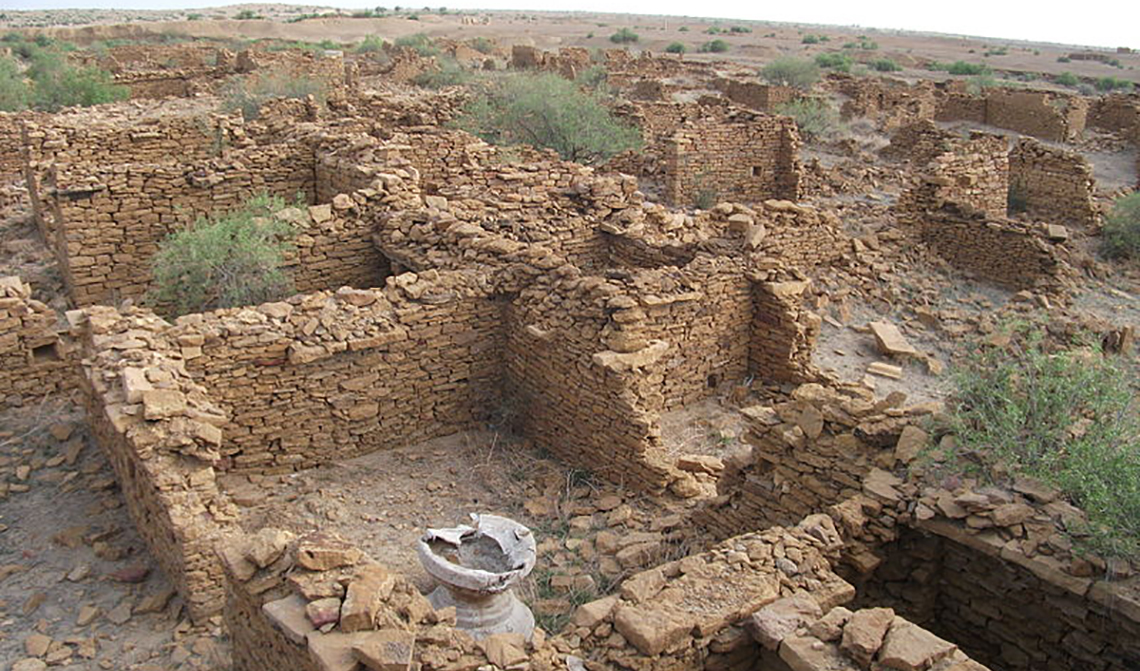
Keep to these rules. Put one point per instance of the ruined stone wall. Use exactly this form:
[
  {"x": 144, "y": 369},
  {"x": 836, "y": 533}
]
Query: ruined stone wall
[
  {"x": 583, "y": 402},
  {"x": 807, "y": 453},
  {"x": 959, "y": 584},
  {"x": 1049, "y": 116},
  {"x": 158, "y": 430},
  {"x": 891, "y": 104},
  {"x": 784, "y": 333},
  {"x": 973, "y": 173},
  {"x": 1009, "y": 253},
  {"x": 959, "y": 106},
  {"x": 918, "y": 143},
  {"x": 968, "y": 560},
  {"x": 332, "y": 376},
  {"x": 1116, "y": 113},
  {"x": 151, "y": 132},
  {"x": 754, "y": 95},
  {"x": 1046, "y": 115},
  {"x": 745, "y": 157},
  {"x": 35, "y": 361},
  {"x": 1053, "y": 185},
  {"x": 112, "y": 217}
]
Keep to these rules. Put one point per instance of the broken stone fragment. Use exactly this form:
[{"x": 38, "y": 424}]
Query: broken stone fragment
[
  {"x": 289, "y": 616},
  {"x": 163, "y": 403},
  {"x": 909, "y": 647},
  {"x": 504, "y": 650},
  {"x": 772, "y": 623},
  {"x": 322, "y": 551},
  {"x": 366, "y": 593},
  {"x": 651, "y": 630},
  {"x": 385, "y": 650},
  {"x": 592, "y": 614},
  {"x": 864, "y": 632},
  {"x": 323, "y": 611},
  {"x": 890, "y": 340}
]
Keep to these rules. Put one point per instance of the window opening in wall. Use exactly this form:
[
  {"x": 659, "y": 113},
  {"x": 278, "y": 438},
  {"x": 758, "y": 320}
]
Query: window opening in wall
[
  {"x": 45, "y": 353},
  {"x": 713, "y": 381},
  {"x": 756, "y": 171}
]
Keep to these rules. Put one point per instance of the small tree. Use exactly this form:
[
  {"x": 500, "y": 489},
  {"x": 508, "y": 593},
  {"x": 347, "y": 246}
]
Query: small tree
[
  {"x": 449, "y": 73},
  {"x": 1122, "y": 228},
  {"x": 815, "y": 118},
  {"x": 13, "y": 90},
  {"x": 545, "y": 110},
  {"x": 224, "y": 261},
  {"x": 59, "y": 84},
  {"x": 1067, "y": 79},
  {"x": 624, "y": 36},
  {"x": 793, "y": 72},
  {"x": 675, "y": 48}
]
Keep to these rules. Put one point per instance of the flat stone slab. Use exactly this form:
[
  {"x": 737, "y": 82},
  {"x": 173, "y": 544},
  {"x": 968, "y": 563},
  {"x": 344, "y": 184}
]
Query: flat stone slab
[{"x": 891, "y": 341}]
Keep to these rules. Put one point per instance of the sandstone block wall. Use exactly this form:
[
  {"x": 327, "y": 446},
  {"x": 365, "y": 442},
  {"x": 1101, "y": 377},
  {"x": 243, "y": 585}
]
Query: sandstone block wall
[
  {"x": 784, "y": 333},
  {"x": 1054, "y": 185},
  {"x": 892, "y": 104},
  {"x": 959, "y": 584},
  {"x": 1047, "y": 115},
  {"x": 35, "y": 361},
  {"x": 918, "y": 143},
  {"x": 745, "y": 157},
  {"x": 148, "y": 132},
  {"x": 1116, "y": 113},
  {"x": 159, "y": 431},
  {"x": 754, "y": 95},
  {"x": 1009, "y": 253},
  {"x": 964, "y": 560},
  {"x": 112, "y": 217},
  {"x": 973, "y": 173},
  {"x": 332, "y": 376}
]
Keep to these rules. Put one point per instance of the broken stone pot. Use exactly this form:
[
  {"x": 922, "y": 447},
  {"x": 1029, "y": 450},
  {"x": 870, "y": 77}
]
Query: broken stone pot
[{"x": 476, "y": 567}]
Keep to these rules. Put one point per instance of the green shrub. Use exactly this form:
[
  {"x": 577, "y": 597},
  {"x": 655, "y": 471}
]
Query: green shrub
[
  {"x": 1064, "y": 59},
  {"x": 815, "y": 118},
  {"x": 1067, "y": 79},
  {"x": 250, "y": 94},
  {"x": 791, "y": 72},
  {"x": 223, "y": 261},
  {"x": 683, "y": 29},
  {"x": 675, "y": 48},
  {"x": 714, "y": 47},
  {"x": 482, "y": 45},
  {"x": 1067, "y": 417},
  {"x": 545, "y": 110},
  {"x": 420, "y": 43},
  {"x": 712, "y": 30},
  {"x": 370, "y": 44},
  {"x": 247, "y": 14},
  {"x": 980, "y": 83},
  {"x": 810, "y": 39},
  {"x": 740, "y": 29},
  {"x": 624, "y": 36},
  {"x": 964, "y": 68},
  {"x": 58, "y": 84},
  {"x": 1122, "y": 228},
  {"x": 594, "y": 78},
  {"x": 450, "y": 73},
  {"x": 838, "y": 62},
  {"x": 14, "y": 93},
  {"x": 885, "y": 65},
  {"x": 193, "y": 17},
  {"x": 1112, "y": 83}
]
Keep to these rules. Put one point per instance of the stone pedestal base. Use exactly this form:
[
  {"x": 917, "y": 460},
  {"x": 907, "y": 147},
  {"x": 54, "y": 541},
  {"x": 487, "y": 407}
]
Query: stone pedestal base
[{"x": 482, "y": 615}]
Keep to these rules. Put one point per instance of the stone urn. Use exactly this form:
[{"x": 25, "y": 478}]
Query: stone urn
[{"x": 476, "y": 567}]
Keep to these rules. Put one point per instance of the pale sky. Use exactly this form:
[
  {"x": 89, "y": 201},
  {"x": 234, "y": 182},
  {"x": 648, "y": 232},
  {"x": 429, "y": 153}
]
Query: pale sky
[{"x": 1105, "y": 23}]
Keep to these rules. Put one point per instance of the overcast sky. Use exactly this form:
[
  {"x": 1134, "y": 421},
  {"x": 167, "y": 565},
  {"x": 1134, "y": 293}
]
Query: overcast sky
[{"x": 1103, "y": 23}]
